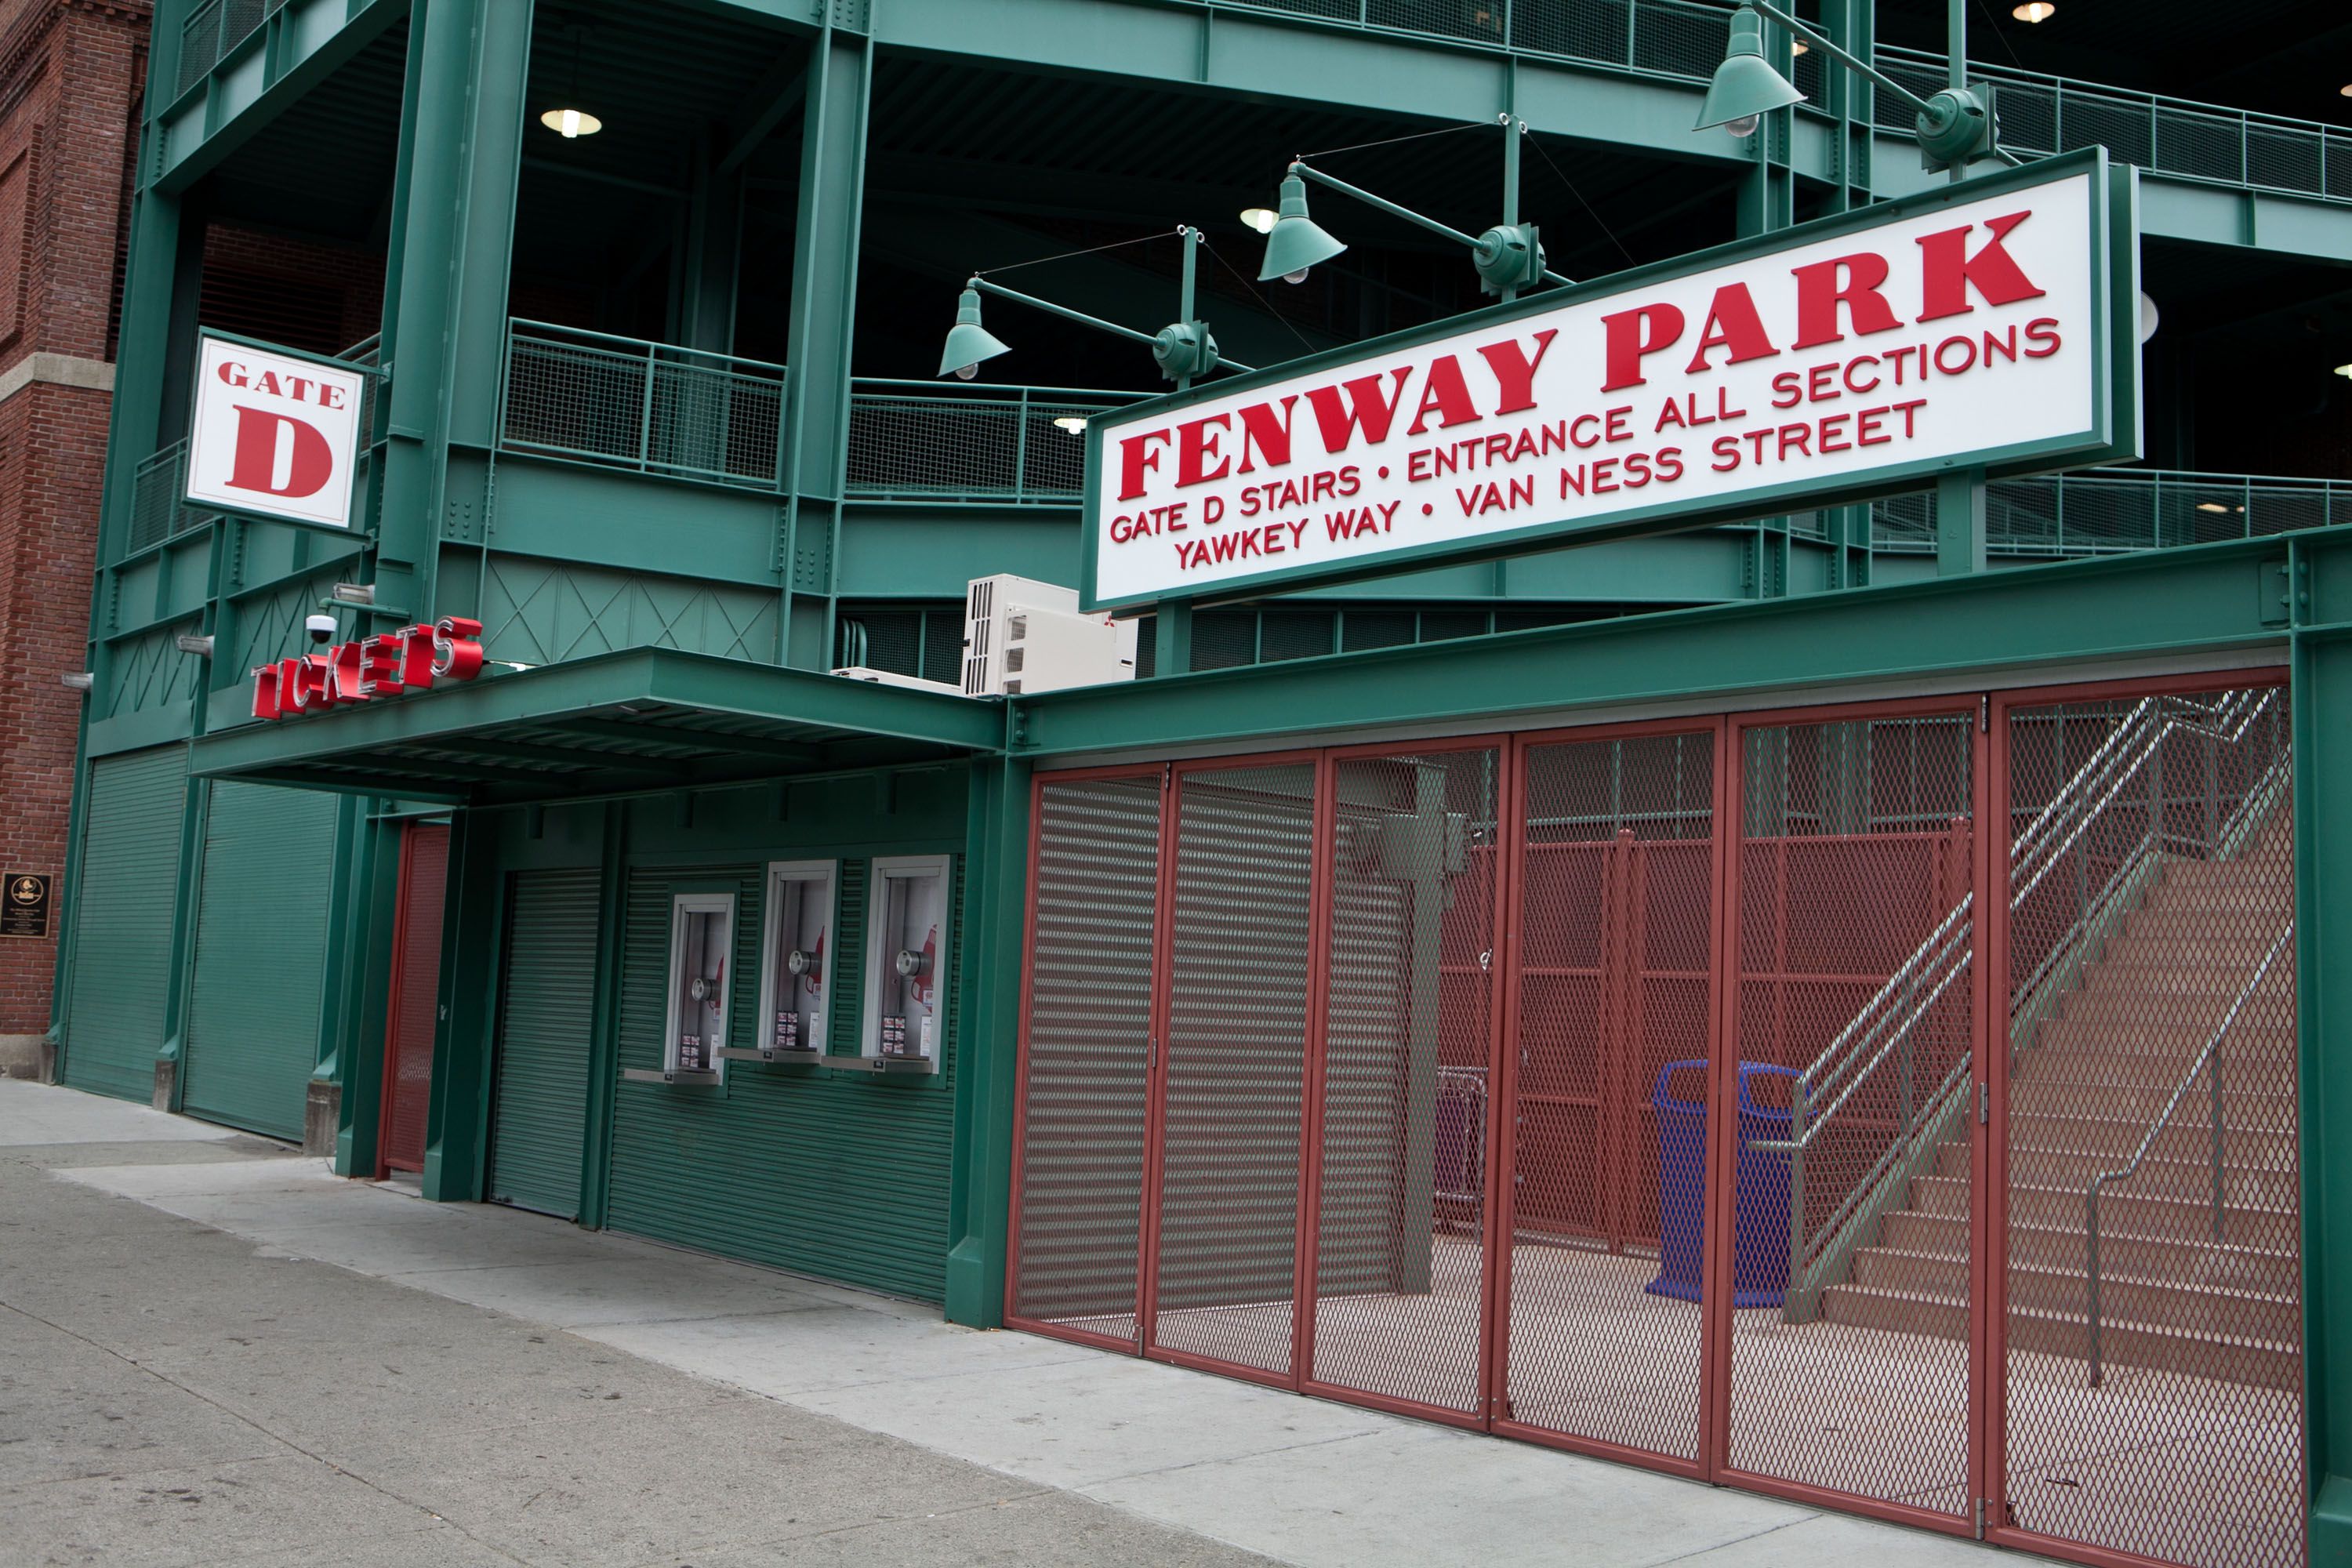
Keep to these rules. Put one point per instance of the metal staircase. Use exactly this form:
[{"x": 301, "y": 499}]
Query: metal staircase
[{"x": 2138, "y": 990}]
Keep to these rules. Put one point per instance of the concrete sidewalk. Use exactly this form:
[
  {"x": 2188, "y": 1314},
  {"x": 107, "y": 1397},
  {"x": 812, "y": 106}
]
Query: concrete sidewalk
[{"x": 449, "y": 1372}]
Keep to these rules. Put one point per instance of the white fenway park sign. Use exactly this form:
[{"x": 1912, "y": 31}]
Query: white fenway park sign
[
  {"x": 1971, "y": 326},
  {"x": 274, "y": 433}
]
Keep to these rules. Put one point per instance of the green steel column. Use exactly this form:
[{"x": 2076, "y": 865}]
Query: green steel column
[
  {"x": 2321, "y": 694},
  {"x": 605, "y": 1033},
  {"x": 1959, "y": 521},
  {"x": 446, "y": 286},
  {"x": 823, "y": 322},
  {"x": 1852, "y": 24},
  {"x": 473, "y": 930},
  {"x": 1768, "y": 199},
  {"x": 997, "y": 900},
  {"x": 1172, "y": 638},
  {"x": 363, "y": 997}
]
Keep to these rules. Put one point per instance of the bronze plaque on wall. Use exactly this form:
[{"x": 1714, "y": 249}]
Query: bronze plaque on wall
[{"x": 25, "y": 910}]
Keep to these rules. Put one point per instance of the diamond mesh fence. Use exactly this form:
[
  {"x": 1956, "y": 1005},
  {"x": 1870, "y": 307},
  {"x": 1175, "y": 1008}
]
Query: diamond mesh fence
[
  {"x": 654, "y": 407},
  {"x": 2153, "y": 1328},
  {"x": 1226, "y": 1269},
  {"x": 1086, "y": 1057},
  {"x": 1850, "y": 1351},
  {"x": 1610, "y": 1098},
  {"x": 2055, "y": 516},
  {"x": 1400, "y": 1265}
]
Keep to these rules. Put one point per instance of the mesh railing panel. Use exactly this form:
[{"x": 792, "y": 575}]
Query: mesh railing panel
[
  {"x": 2055, "y": 516},
  {"x": 1607, "y": 1187},
  {"x": 157, "y": 509},
  {"x": 994, "y": 444},
  {"x": 1086, "y": 1053},
  {"x": 654, "y": 407},
  {"x": 1400, "y": 1257},
  {"x": 2153, "y": 1059},
  {"x": 1849, "y": 1364},
  {"x": 1227, "y": 1263}
]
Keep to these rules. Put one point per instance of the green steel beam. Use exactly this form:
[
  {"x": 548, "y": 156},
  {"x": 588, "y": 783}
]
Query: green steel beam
[
  {"x": 2198, "y": 600},
  {"x": 367, "y": 993},
  {"x": 994, "y": 920},
  {"x": 445, "y": 283},
  {"x": 295, "y": 49},
  {"x": 838, "y": 97},
  {"x": 473, "y": 930}
]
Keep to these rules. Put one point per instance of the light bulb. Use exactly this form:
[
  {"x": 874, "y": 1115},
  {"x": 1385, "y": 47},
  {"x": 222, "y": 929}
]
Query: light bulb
[
  {"x": 1298, "y": 276},
  {"x": 572, "y": 123},
  {"x": 1743, "y": 126},
  {"x": 966, "y": 371},
  {"x": 1260, "y": 218},
  {"x": 2035, "y": 11}
]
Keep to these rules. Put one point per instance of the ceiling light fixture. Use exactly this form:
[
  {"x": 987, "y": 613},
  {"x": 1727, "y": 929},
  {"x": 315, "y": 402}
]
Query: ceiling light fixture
[
  {"x": 1074, "y": 424},
  {"x": 2345, "y": 370},
  {"x": 1262, "y": 219},
  {"x": 568, "y": 122},
  {"x": 2035, "y": 11}
]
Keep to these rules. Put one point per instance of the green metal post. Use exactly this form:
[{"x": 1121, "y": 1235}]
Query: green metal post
[
  {"x": 1956, "y": 63},
  {"x": 1767, "y": 203},
  {"x": 1172, "y": 639},
  {"x": 824, "y": 311},
  {"x": 366, "y": 990},
  {"x": 987, "y": 1057},
  {"x": 604, "y": 1037},
  {"x": 1513, "y": 126},
  {"x": 446, "y": 288},
  {"x": 1959, "y": 521},
  {"x": 473, "y": 929},
  {"x": 1191, "y": 242}
]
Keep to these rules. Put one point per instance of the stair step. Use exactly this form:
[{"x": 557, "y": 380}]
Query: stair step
[
  {"x": 2260, "y": 1109},
  {"x": 2240, "y": 945},
  {"x": 2272, "y": 1266},
  {"x": 2077, "y": 1065},
  {"x": 2121, "y": 1211},
  {"x": 2268, "y": 1363},
  {"x": 2156, "y": 1176},
  {"x": 2159, "y": 916},
  {"x": 2187, "y": 1137},
  {"x": 2210, "y": 1302}
]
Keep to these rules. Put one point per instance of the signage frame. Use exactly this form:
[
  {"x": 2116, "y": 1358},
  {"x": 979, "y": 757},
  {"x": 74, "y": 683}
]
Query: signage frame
[
  {"x": 2114, "y": 434},
  {"x": 355, "y": 525}
]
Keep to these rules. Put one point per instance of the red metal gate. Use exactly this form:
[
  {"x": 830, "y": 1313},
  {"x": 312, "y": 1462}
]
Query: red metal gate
[
  {"x": 1646, "y": 1091},
  {"x": 416, "y": 987}
]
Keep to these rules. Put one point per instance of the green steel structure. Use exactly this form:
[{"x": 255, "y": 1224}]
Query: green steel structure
[{"x": 651, "y": 405}]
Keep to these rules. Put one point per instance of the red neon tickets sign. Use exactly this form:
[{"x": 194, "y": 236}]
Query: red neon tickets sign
[{"x": 385, "y": 665}]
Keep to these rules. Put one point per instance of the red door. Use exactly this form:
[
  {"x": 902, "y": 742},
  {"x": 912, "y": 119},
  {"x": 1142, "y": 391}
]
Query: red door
[{"x": 415, "y": 992}]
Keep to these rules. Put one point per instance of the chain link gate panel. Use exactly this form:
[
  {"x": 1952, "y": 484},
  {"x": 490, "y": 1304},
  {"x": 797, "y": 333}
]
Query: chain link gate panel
[
  {"x": 1398, "y": 1307},
  {"x": 1853, "y": 1081},
  {"x": 1612, "y": 1014},
  {"x": 1226, "y": 1234},
  {"x": 1085, "y": 1056},
  {"x": 2152, "y": 1344}
]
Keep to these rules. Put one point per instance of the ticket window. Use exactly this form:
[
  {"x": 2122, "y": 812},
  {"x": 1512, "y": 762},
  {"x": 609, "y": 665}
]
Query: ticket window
[
  {"x": 799, "y": 956},
  {"x": 701, "y": 946},
  {"x": 906, "y": 962}
]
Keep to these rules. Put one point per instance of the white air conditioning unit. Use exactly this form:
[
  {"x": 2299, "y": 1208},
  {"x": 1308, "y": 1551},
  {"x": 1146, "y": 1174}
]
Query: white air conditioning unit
[
  {"x": 892, "y": 678},
  {"x": 1020, "y": 636}
]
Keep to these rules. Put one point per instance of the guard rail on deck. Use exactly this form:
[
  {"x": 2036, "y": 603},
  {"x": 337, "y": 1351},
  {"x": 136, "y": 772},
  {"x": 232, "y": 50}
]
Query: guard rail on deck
[
  {"x": 215, "y": 28},
  {"x": 2040, "y": 115},
  {"x": 973, "y": 443},
  {"x": 2110, "y": 510},
  {"x": 655, "y": 408}
]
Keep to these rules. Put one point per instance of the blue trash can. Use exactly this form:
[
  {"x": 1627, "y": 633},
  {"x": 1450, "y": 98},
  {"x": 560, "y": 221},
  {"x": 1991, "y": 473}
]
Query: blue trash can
[{"x": 1759, "y": 1268}]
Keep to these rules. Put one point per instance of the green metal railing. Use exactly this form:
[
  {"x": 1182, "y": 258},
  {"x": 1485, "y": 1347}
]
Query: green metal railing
[
  {"x": 655, "y": 408},
  {"x": 2040, "y": 115},
  {"x": 2105, "y": 511},
  {"x": 976, "y": 443},
  {"x": 215, "y": 28}
]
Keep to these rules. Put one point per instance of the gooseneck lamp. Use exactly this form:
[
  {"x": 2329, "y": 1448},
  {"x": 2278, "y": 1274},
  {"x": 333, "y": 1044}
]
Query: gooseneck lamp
[{"x": 1184, "y": 349}]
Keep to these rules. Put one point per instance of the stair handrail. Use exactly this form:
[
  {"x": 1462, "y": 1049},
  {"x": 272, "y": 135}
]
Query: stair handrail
[
  {"x": 1877, "y": 1030},
  {"x": 2210, "y": 1052}
]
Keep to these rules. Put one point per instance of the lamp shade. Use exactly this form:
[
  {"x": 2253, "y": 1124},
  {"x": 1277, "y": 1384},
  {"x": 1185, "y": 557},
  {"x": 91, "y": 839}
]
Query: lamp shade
[
  {"x": 1294, "y": 243},
  {"x": 969, "y": 343},
  {"x": 1745, "y": 86}
]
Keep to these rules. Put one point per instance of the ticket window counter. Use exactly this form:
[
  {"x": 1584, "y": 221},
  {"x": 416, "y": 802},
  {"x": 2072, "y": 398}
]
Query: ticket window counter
[
  {"x": 798, "y": 953},
  {"x": 907, "y": 962},
  {"x": 701, "y": 943}
]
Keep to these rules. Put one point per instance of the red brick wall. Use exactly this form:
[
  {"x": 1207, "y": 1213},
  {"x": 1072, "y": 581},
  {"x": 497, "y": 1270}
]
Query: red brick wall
[{"x": 71, "y": 75}]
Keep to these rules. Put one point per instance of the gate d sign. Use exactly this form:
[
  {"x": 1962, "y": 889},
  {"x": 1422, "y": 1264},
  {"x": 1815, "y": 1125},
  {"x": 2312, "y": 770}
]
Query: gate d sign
[
  {"x": 274, "y": 434},
  {"x": 1972, "y": 326}
]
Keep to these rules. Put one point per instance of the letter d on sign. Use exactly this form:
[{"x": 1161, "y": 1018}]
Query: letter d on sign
[{"x": 270, "y": 444}]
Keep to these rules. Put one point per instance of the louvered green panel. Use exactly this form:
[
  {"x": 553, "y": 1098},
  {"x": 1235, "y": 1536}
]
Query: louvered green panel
[
  {"x": 832, "y": 1173},
  {"x": 540, "y": 1118},
  {"x": 261, "y": 955},
  {"x": 122, "y": 921}
]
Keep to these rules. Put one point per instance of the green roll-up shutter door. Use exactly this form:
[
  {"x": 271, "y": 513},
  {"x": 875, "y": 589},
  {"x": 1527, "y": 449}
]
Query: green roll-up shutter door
[
  {"x": 544, "y": 1016},
  {"x": 122, "y": 921},
  {"x": 262, "y": 911}
]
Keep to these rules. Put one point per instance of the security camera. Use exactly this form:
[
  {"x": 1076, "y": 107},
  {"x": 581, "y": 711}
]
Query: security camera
[{"x": 320, "y": 627}]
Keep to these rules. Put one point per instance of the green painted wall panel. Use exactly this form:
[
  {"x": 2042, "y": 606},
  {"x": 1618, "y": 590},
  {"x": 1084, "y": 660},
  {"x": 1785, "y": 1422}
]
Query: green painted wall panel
[
  {"x": 539, "y": 1111},
  {"x": 148, "y": 672},
  {"x": 833, "y": 1173},
  {"x": 262, "y": 910},
  {"x": 122, "y": 921}
]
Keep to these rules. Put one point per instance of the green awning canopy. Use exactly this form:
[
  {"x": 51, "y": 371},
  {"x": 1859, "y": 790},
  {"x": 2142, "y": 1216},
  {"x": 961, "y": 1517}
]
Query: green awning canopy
[{"x": 638, "y": 719}]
